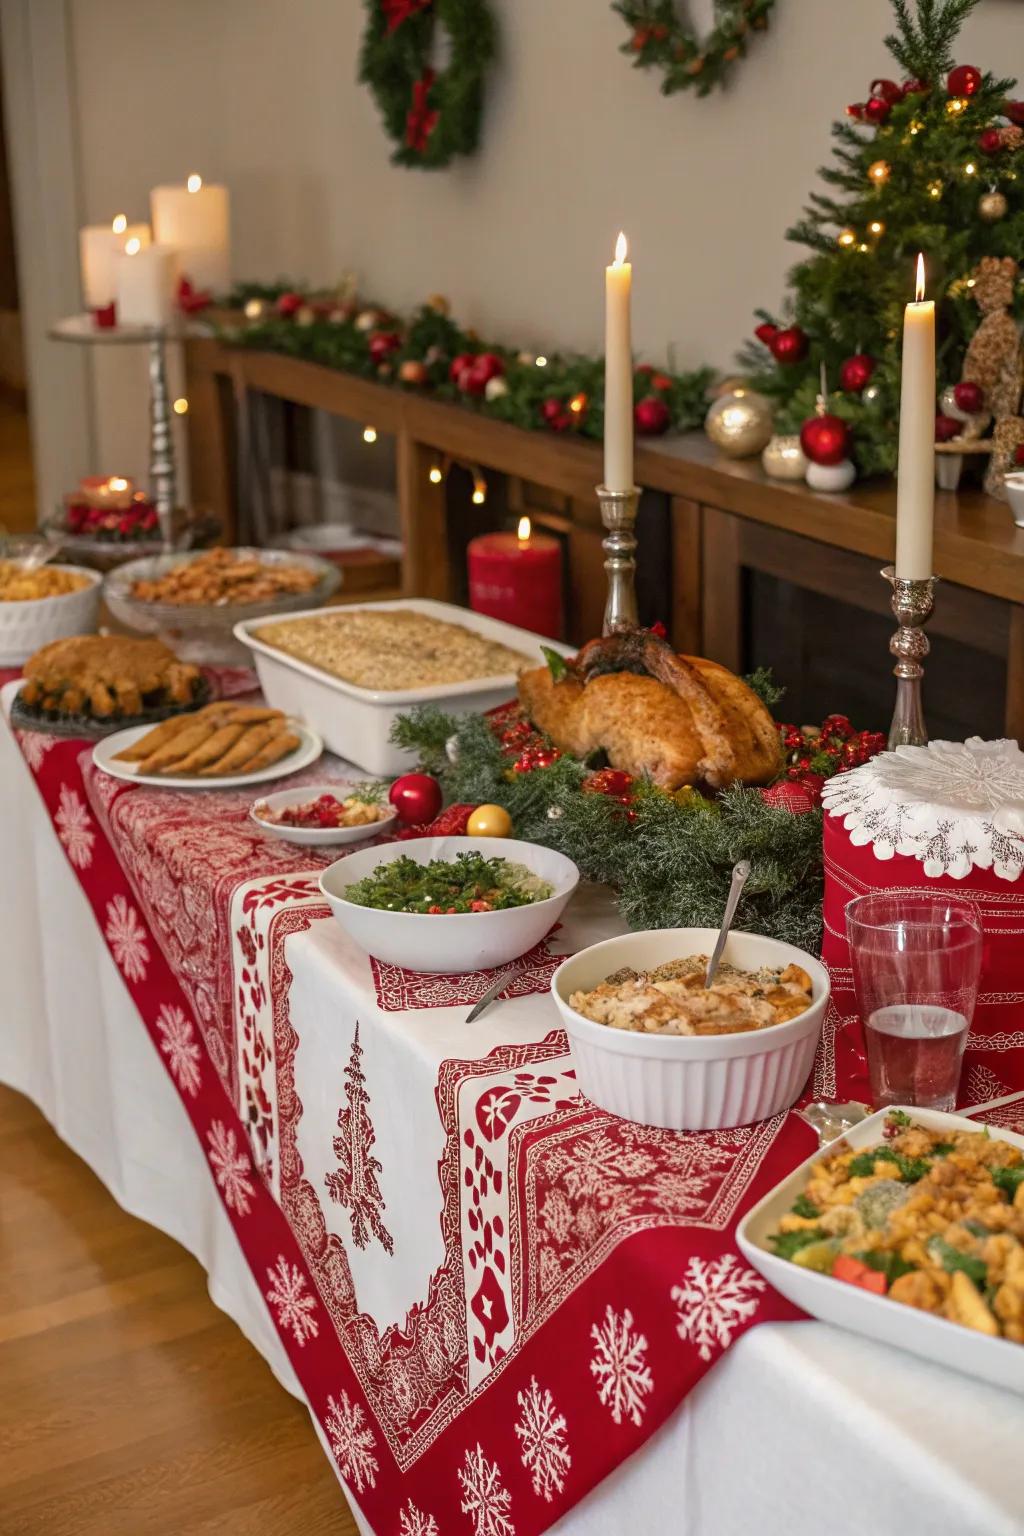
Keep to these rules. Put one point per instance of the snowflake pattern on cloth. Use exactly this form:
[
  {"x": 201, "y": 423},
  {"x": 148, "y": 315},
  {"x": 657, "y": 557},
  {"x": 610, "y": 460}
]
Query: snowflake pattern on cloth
[
  {"x": 485, "y": 1499},
  {"x": 620, "y": 1366},
  {"x": 955, "y": 806},
  {"x": 352, "y": 1441},
  {"x": 542, "y": 1431},
  {"x": 231, "y": 1168},
  {"x": 180, "y": 1046},
  {"x": 413, "y": 1522},
  {"x": 713, "y": 1300},
  {"x": 34, "y": 746},
  {"x": 287, "y": 1295},
  {"x": 126, "y": 936},
  {"x": 75, "y": 828},
  {"x": 354, "y": 1183}
]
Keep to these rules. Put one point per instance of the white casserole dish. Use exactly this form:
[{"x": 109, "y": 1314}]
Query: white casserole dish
[
  {"x": 1000, "y": 1361},
  {"x": 689, "y": 1082},
  {"x": 458, "y": 941},
  {"x": 356, "y": 722},
  {"x": 25, "y": 627}
]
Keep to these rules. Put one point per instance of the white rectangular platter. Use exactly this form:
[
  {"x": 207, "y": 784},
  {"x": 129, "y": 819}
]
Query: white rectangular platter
[
  {"x": 356, "y": 722},
  {"x": 999, "y": 1361}
]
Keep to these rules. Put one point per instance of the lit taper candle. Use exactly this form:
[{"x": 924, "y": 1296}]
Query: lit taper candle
[
  {"x": 618, "y": 373},
  {"x": 915, "y": 492}
]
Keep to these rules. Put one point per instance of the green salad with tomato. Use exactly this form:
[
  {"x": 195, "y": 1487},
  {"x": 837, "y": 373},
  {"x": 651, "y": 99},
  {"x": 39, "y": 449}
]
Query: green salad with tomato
[{"x": 467, "y": 883}]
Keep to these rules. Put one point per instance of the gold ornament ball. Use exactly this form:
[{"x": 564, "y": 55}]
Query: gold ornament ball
[
  {"x": 439, "y": 304},
  {"x": 739, "y": 423},
  {"x": 992, "y": 207},
  {"x": 878, "y": 171},
  {"x": 784, "y": 459},
  {"x": 489, "y": 821}
]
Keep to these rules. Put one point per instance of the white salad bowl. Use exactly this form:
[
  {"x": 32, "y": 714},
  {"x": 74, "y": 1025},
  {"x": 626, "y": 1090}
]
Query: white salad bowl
[
  {"x": 25, "y": 627},
  {"x": 690, "y": 1082},
  {"x": 457, "y": 941},
  {"x": 316, "y": 837}
]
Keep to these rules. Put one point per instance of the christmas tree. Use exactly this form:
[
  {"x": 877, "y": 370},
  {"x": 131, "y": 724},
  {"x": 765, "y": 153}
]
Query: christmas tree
[{"x": 934, "y": 163}]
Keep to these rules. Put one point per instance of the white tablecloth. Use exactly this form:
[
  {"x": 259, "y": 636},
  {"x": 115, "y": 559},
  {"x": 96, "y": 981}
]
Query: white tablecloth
[{"x": 798, "y": 1429}]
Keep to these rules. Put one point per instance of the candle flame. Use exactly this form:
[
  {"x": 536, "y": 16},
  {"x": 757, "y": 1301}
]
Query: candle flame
[
  {"x": 194, "y": 182},
  {"x": 919, "y": 291},
  {"x": 133, "y": 246},
  {"x": 620, "y": 250},
  {"x": 120, "y": 223},
  {"x": 523, "y": 531},
  {"x": 117, "y": 483}
]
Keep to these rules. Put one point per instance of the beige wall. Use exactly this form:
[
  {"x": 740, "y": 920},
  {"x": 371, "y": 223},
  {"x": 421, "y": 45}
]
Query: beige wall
[{"x": 261, "y": 94}]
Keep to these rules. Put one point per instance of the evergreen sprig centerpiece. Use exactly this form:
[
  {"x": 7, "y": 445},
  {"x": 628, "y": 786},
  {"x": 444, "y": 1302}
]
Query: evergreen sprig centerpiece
[{"x": 934, "y": 163}]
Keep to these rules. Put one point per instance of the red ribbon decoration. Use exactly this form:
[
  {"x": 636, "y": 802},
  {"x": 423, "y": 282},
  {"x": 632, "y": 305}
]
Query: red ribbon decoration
[
  {"x": 397, "y": 11},
  {"x": 421, "y": 119}
]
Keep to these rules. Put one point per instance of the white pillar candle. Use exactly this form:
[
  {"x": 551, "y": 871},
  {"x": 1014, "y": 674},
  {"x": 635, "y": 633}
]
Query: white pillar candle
[
  {"x": 98, "y": 244},
  {"x": 915, "y": 490},
  {"x": 194, "y": 220},
  {"x": 618, "y": 373},
  {"x": 145, "y": 285}
]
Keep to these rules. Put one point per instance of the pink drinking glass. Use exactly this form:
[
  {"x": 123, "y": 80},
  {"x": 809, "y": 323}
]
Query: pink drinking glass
[{"x": 916, "y": 962}]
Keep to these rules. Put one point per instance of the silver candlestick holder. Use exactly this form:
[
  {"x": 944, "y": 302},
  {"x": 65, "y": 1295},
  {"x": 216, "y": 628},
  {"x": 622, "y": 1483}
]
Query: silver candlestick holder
[
  {"x": 912, "y": 603},
  {"x": 618, "y": 514}
]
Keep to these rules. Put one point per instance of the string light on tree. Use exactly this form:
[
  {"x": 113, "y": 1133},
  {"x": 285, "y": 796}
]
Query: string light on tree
[
  {"x": 878, "y": 172},
  {"x": 935, "y": 189},
  {"x": 540, "y": 362},
  {"x": 955, "y": 105},
  {"x": 970, "y": 169},
  {"x": 876, "y": 228},
  {"x": 846, "y": 237}
]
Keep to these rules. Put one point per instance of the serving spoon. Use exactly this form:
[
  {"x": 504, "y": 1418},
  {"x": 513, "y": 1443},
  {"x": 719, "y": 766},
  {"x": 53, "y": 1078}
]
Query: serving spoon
[{"x": 740, "y": 873}]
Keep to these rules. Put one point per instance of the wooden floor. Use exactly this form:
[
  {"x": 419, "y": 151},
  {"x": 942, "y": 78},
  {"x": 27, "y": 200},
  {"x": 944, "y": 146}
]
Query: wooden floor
[{"x": 129, "y": 1405}]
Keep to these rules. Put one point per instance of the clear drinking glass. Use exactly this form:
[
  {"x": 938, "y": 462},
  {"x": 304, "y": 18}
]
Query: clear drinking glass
[{"x": 916, "y": 962}]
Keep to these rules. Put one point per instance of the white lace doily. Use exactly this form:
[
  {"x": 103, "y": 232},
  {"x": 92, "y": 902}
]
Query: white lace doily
[{"x": 956, "y": 806}]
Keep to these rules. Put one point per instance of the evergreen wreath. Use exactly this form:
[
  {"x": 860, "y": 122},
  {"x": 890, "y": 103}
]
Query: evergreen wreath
[
  {"x": 660, "y": 39},
  {"x": 431, "y": 111}
]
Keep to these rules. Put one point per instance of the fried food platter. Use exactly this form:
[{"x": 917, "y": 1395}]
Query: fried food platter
[{"x": 223, "y": 746}]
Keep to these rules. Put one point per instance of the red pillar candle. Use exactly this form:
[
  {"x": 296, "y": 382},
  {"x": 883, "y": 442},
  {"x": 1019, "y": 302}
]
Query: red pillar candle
[{"x": 517, "y": 577}]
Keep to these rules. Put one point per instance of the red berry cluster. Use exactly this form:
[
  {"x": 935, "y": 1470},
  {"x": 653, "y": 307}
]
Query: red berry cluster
[
  {"x": 135, "y": 522},
  {"x": 535, "y": 757},
  {"x": 812, "y": 757},
  {"x": 614, "y": 784},
  {"x": 516, "y": 737}
]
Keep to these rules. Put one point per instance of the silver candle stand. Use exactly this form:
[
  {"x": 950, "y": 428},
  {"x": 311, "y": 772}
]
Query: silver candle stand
[
  {"x": 912, "y": 603},
  {"x": 618, "y": 514}
]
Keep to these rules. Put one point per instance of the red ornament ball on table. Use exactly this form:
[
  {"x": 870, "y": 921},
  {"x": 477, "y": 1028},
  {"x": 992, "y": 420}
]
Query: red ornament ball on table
[
  {"x": 652, "y": 416},
  {"x": 825, "y": 439},
  {"x": 855, "y": 373},
  {"x": 946, "y": 428},
  {"x": 790, "y": 345},
  {"x": 964, "y": 80},
  {"x": 970, "y": 397},
  {"x": 416, "y": 797}
]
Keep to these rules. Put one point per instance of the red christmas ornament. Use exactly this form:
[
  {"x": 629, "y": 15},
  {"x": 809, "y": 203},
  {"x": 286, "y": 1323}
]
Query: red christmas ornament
[
  {"x": 963, "y": 80},
  {"x": 288, "y": 303},
  {"x": 855, "y": 373},
  {"x": 887, "y": 90},
  {"x": 416, "y": 797},
  {"x": 856, "y": 111},
  {"x": 825, "y": 439},
  {"x": 459, "y": 365},
  {"x": 382, "y": 344},
  {"x": 645, "y": 369},
  {"x": 946, "y": 428},
  {"x": 915, "y": 87},
  {"x": 790, "y": 345},
  {"x": 877, "y": 110},
  {"x": 970, "y": 397},
  {"x": 484, "y": 367},
  {"x": 552, "y": 409},
  {"x": 652, "y": 416},
  {"x": 1014, "y": 110},
  {"x": 661, "y": 381},
  {"x": 990, "y": 141},
  {"x": 766, "y": 332}
]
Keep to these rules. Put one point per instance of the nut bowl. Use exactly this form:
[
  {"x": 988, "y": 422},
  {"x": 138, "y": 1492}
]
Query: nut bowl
[
  {"x": 690, "y": 1082},
  {"x": 450, "y": 942}
]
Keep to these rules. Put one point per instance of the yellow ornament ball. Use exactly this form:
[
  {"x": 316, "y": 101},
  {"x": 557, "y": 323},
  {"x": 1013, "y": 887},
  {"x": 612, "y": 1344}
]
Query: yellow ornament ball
[{"x": 489, "y": 821}]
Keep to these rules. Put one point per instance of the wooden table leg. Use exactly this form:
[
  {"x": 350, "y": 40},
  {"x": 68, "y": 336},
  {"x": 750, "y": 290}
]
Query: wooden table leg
[
  {"x": 686, "y": 575},
  {"x": 426, "y": 564}
]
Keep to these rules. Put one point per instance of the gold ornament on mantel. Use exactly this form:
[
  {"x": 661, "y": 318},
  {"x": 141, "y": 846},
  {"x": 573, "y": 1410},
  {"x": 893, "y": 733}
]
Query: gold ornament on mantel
[
  {"x": 992, "y": 207},
  {"x": 739, "y": 423},
  {"x": 784, "y": 459}
]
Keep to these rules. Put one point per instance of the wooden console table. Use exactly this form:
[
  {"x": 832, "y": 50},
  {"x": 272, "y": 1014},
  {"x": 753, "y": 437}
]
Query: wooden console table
[{"x": 726, "y": 517}]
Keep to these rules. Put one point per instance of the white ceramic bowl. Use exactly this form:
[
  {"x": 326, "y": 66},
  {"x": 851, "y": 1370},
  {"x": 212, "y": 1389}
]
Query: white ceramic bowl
[
  {"x": 1015, "y": 495},
  {"x": 315, "y": 837},
  {"x": 470, "y": 941},
  {"x": 26, "y": 627},
  {"x": 689, "y": 1082}
]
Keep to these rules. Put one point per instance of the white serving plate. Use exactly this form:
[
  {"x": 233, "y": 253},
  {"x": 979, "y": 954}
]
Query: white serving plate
[
  {"x": 309, "y": 749},
  {"x": 356, "y": 722},
  {"x": 26, "y": 627},
  {"x": 998, "y": 1361},
  {"x": 316, "y": 837},
  {"x": 689, "y": 1082},
  {"x": 461, "y": 941}
]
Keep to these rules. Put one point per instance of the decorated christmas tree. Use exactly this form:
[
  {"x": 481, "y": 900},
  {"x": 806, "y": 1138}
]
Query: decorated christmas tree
[{"x": 932, "y": 163}]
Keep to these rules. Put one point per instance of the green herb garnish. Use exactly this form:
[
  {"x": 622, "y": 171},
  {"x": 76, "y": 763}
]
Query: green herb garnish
[
  {"x": 890, "y": 1264},
  {"x": 953, "y": 1259},
  {"x": 557, "y": 665},
  {"x": 1008, "y": 1180},
  {"x": 467, "y": 883},
  {"x": 786, "y": 1244},
  {"x": 804, "y": 1207}
]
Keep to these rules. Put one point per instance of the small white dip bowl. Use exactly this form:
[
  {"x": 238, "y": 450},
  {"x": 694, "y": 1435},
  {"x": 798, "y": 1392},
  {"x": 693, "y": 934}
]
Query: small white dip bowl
[{"x": 689, "y": 1082}]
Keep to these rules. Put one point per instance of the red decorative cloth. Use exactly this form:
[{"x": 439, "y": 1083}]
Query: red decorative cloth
[{"x": 421, "y": 119}]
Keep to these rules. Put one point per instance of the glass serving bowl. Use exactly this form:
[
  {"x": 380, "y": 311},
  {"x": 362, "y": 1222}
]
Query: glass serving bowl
[{"x": 202, "y": 632}]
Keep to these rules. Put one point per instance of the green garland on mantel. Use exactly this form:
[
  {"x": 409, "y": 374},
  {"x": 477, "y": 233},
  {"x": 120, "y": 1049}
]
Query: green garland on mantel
[
  {"x": 431, "y": 354},
  {"x": 670, "y": 857}
]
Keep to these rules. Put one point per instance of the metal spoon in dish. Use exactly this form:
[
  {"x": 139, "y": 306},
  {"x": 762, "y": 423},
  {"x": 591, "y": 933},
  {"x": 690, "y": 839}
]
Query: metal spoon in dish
[{"x": 740, "y": 873}]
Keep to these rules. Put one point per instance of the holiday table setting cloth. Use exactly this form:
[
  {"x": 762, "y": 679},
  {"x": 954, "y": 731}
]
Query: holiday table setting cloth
[{"x": 490, "y": 1292}]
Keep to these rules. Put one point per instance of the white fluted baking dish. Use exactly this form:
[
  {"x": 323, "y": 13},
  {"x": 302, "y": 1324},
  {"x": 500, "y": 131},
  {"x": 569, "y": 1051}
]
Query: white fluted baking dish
[
  {"x": 25, "y": 627},
  {"x": 690, "y": 1082}
]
